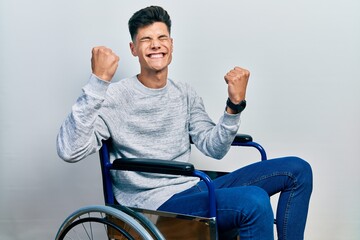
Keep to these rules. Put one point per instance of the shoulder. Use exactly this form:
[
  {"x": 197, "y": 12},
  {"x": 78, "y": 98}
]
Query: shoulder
[
  {"x": 122, "y": 83},
  {"x": 123, "y": 87},
  {"x": 183, "y": 87},
  {"x": 119, "y": 92}
]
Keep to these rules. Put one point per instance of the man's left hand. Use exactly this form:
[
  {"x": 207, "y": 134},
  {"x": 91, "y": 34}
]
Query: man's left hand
[{"x": 237, "y": 80}]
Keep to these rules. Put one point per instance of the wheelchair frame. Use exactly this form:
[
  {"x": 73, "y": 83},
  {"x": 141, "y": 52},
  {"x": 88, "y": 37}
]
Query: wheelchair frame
[{"x": 146, "y": 222}]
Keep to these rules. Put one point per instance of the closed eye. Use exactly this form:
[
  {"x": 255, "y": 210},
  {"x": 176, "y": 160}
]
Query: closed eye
[
  {"x": 145, "y": 39},
  {"x": 163, "y": 37}
]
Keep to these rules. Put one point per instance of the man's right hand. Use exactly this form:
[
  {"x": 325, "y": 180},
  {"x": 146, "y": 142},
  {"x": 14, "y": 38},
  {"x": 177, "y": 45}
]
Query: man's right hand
[{"x": 104, "y": 63}]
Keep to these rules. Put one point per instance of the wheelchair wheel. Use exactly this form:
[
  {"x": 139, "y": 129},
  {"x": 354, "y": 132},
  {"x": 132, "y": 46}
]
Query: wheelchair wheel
[{"x": 102, "y": 222}]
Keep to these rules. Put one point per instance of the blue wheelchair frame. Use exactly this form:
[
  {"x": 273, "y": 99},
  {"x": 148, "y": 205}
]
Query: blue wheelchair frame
[
  {"x": 114, "y": 215},
  {"x": 166, "y": 167}
]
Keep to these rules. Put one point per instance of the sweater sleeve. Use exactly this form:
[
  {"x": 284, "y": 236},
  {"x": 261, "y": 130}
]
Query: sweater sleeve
[
  {"x": 214, "y": 140},
  {"x": 82, "y": 131}
]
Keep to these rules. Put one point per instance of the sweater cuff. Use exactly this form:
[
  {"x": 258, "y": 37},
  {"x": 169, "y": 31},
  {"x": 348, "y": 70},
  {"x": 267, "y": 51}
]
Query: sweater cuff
[
  {"x": 231, "y": 119},
  {"x": 96, "y": 87}
]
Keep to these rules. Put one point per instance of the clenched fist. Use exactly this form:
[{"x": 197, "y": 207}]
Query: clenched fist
[
  {"x": 104, "y": 63},
  {"x": 237, "y": 80}
]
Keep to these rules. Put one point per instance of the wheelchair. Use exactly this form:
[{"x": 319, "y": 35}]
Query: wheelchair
[{"x": 116, "y": 222}]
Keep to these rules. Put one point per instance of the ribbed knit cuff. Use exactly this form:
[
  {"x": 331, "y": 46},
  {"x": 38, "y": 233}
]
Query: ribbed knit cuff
[
  {"x": 96, "y": 87},
  {"x": 231, "y": 119}
]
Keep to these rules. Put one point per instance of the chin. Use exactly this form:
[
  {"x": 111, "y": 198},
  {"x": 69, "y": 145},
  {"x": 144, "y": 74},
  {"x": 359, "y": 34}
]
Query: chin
[{"x": 160, "y": 68}]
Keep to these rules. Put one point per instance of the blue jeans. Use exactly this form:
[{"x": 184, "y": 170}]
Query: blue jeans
[{"x": 243, "y": 204}]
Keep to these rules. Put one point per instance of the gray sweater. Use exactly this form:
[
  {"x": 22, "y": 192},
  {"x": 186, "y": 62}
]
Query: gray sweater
[{"x": 144, "y": 123}]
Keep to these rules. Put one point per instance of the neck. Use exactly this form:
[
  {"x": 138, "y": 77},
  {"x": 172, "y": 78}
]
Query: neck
[{"x": 154, "y": 79}]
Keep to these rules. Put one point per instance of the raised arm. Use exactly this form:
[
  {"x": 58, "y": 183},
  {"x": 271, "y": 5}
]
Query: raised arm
[
  {"x": 83, "y": 129},
  {"x": 214, "y": 140}
]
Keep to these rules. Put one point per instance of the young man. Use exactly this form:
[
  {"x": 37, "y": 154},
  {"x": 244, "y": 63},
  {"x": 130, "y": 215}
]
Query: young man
[{"x": 143, "y": 113}]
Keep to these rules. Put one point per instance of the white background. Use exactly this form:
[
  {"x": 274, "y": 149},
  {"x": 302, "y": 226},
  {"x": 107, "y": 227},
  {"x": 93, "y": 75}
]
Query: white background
[{"x": 303, "y": 96}]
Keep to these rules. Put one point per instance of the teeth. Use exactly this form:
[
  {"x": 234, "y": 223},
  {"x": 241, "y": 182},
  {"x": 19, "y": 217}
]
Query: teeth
[{"x": 157, "y": 55}]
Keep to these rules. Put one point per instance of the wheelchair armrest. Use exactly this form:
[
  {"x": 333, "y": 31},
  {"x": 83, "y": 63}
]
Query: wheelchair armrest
[
  {"x": 242, "y": 138},
  {"x": 153, "y": 166},
  {"x": 246, "y": 140}
]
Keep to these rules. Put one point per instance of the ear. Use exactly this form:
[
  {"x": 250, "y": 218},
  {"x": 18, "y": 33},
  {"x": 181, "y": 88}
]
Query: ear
[
  {"x": 172, "y": 44},
  {"x": 133, "y": 49}
]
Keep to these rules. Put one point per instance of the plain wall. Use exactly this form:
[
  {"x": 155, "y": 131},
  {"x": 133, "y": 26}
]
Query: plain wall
[{"x": 303, "y": 96}]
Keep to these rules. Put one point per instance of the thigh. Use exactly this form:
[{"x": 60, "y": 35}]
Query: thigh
[
  {"x": 236, "y": 207},
  {"x": 271, "y": 175}
]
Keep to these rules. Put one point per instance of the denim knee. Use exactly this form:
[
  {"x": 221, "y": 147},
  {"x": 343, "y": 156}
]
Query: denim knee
[
  {"x": 248, "y": 210},
  {"x": 243, "y": 206},
  {"x": 259, "y": 201},
  {"x": 301, "y": 169}
]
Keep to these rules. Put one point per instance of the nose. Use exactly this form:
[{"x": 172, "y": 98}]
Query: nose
[{"x": 155, "y": 44}]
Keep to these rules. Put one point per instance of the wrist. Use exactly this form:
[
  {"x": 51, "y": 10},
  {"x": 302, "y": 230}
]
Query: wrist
[
  {"x": 233, "y": 108},
  {"x": 230, "y": 111}
]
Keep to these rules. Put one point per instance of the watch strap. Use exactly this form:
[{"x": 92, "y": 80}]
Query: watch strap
[{"x": 238, "y": 108}]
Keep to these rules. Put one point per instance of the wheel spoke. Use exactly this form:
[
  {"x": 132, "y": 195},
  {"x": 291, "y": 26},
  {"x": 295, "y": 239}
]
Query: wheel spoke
[
  {"x": 98, "y": 222},
  {"x": 86, "y": 231}
]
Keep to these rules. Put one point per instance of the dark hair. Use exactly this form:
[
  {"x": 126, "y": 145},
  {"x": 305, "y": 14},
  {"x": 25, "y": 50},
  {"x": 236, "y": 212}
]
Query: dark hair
[{"x": 146, "y": 17}]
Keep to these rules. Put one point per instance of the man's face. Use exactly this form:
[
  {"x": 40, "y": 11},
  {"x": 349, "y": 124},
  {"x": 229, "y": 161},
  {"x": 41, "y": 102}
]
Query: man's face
[{"x": 153, "y": 46}]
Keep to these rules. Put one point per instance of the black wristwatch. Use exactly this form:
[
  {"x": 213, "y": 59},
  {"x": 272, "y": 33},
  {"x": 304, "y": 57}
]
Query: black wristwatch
[{"x": 238, "y": 108}]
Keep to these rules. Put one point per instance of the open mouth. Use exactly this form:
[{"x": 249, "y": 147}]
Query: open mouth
[{"x": 156, "y": 55}]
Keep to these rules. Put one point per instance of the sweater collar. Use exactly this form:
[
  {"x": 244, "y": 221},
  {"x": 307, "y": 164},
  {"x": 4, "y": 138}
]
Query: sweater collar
[{"x": 149, "y": 91}]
